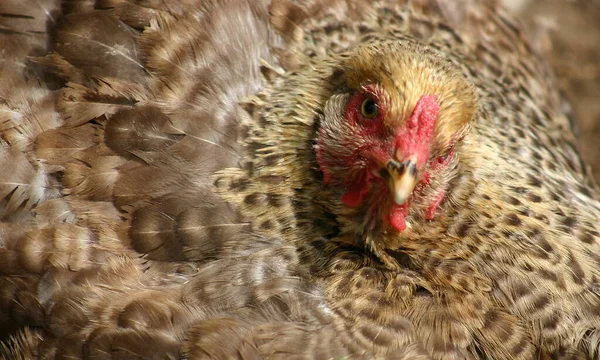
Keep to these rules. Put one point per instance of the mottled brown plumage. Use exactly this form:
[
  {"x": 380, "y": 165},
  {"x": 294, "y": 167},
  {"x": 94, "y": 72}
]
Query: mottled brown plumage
[{"x": 177, "y": 176}]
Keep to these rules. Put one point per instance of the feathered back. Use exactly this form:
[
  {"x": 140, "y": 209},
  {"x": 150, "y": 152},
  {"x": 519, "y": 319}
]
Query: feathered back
[{"x": 112, "y": 229}]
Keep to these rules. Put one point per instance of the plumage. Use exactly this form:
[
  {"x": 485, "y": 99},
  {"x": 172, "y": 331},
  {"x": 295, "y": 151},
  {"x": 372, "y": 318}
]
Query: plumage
[{"x": 321, "y": 179}]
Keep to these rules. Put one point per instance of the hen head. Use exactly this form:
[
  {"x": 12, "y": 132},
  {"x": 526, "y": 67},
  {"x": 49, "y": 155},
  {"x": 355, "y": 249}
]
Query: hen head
[{"x": 386, "y": 141}]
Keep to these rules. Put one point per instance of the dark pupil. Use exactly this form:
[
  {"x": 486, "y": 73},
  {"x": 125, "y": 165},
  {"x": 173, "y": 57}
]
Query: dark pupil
[{"x": 369, "y": 108}]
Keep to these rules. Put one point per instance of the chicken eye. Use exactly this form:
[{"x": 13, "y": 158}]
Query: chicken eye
[
  {"x": 369, "y": 108},
  {"x": 444, "y": 158}
]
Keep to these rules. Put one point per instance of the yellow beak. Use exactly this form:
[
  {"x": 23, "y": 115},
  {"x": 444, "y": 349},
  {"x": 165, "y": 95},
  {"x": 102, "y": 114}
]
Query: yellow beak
[{"x": 402, "y": 179}]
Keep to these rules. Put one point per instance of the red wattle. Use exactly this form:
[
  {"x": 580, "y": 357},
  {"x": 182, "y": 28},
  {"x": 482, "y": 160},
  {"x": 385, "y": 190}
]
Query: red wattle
[{"x": 397, "y": 217}]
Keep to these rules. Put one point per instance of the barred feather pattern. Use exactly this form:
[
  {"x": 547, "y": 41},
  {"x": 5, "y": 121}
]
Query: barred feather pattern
[{"x": 163, "y": 199}]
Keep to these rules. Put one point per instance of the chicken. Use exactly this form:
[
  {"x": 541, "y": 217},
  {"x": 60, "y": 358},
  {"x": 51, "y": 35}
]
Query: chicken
[
  {"x": 574, "y": 59},
  {"x": 328, "y": 179}
]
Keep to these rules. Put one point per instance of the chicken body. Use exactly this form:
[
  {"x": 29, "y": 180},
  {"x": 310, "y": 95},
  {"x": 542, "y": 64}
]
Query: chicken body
[{"x": 170, "y": 203}]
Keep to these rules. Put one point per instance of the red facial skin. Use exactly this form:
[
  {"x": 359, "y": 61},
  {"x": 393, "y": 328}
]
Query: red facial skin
[
  {"x": 439, "y": 163},
  {"x": 357, "y": 188},
  {"x": 378, "y": 147}
]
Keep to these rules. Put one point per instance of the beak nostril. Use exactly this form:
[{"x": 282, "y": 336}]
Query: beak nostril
[
  {"x": 385, "y": 174},
  {"x": 412, "y": 169},
  {"x": 397, "y": 167}
]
